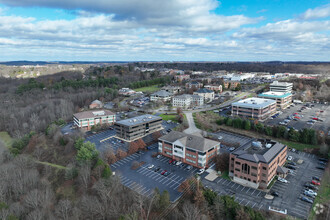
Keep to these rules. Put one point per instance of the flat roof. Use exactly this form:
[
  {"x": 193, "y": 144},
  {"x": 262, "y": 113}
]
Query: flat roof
[
  {"x": 190, "y": 141},
  {"x": 272, "y": 94},
  {"x": 254, "y": 103},
  {"x": 265, "y": 152},
  {"x": 277, "y": 83},
  {"x": 138, "y": 120},
  {"x": 92, "y": 114}
]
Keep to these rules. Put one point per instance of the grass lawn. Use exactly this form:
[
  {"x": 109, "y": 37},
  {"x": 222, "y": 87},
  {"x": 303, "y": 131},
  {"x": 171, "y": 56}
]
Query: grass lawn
[
  {"x": 153, "y": 88},
  {"x": 169, "y": 117},
  {"x": 6, "y": 139},
  {"x": 298, "y": 146},
  {"x": 225, "y": 175}
]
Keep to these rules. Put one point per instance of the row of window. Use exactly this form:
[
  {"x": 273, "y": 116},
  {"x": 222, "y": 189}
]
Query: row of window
[
  {"x": 168, "y": 148},
  {"x": 190, "y": 155},
  {"x": 191, "y": 161}
]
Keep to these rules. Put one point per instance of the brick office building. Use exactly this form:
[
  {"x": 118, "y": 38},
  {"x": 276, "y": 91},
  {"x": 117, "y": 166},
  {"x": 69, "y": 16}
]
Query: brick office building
[
  {"x": 87, "y": 119},
  {"x": 255, "y": 164},
  {"x": 256, "y": 108},
  {"x": 191, "y": 149},
  {"x": 283, "y": 100}
]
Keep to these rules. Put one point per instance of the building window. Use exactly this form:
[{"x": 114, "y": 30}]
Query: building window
[
  {"x": 253, "y": 174},
  {"x": 264, "y": 168},
  {"x": 254, "y": 181},
  {"x": 254, "y": 168},
  {"x": 245, "y": 168},
  {"x": 232, "y": 159},
  {"x": 239, "y": 163},
  {"x": 249, "y": 179},
  {"x": 237, "y": 169},
  {"x": 264, "y": 175}
]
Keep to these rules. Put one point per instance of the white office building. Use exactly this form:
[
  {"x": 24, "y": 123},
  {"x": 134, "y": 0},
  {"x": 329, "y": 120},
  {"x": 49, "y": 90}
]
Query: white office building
[{"x": 281, "y": 87}]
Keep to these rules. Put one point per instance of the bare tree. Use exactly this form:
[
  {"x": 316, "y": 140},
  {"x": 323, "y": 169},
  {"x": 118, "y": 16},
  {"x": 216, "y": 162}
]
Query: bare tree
[
  {"x": 63, "y": 209},
  {"x": 84, "y": 175}
]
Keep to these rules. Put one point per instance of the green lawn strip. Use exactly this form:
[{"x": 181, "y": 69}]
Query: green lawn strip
[
  {"x": 6, "y": 139},
  {"x": 171, "y": 117},
  {"x": 153, "y": 88},
  {"x": 272, "y": 183},
  {"x": 298, "y": 146},
  {"x": 51, "y": 164},
  {"x": 323, "y": 195},
  {"x": 225, "y": 175}
]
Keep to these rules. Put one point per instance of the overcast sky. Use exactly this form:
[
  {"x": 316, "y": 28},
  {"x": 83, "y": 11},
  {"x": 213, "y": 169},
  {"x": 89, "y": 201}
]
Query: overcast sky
[{"x": 165, "y": 30}]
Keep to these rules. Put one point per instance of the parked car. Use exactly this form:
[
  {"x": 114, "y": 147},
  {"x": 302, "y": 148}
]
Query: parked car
[
  {"x": 316, "y": 178},
  {"x": 274, "y": 194},
  {"x": 163, "y": 172},
  {"x": 311, "y": 192},
  {"x": 282, "y": 180},
  {"x": 292, "y": 163},
  {"x": 305, "y": 199},
  {"x": 157, "y": 169},
  {"x": 315, "y": 183},
  {"x": 311, "y": 186},
  {"x": 231, "y": 149},
  {"x": 290, "y": 158},
  {"x": 151, "y": 166},
  {"x": 320, "y": 167},
  {"x": 201, "y": 171},
  {"x": 323, "y": 159},
  {"x": 189, "y": 167},
  {"x": 178, "y": 163},
  {"x": 159, "y": 156},
  {"x": 170, "y": 161},
  {"x": 322, "y": 163},
  {"x": 291, "y": 167},
  {"x": 166, "y": 173}
]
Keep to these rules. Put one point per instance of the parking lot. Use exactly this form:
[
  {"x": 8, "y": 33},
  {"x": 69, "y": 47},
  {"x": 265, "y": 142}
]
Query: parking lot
[
  {"x": 289, "y": 193},
  {"x": 144, "y": 180},
  {"x": 228, "y": 140},
  {"x": 307, "y": 115}
]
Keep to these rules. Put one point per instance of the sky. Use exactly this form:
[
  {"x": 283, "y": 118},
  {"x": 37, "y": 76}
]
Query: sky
[{"x": 165, "y": 30}]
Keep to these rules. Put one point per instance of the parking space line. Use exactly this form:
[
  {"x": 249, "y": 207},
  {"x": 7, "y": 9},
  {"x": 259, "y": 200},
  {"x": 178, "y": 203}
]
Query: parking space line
[
  {"x": 228, "y": 183},
  {"x": 219, "y": 181},
  {"x": 242, "y": 188},
  {"x": 247, "y": 203},
  {"x": 259, "y": 193},
  {"x": 241, "y": 201},
  {"x": 253, "y": 192},
  {"x": 238, "y": 186},
  {"x": 248, "y": 190},
  {"x": 260, "y": 206},
  {"x": 254, "y": 205}
]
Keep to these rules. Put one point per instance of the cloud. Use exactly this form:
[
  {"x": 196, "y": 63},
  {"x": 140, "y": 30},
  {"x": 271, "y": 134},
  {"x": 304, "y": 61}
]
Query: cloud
[{"x": 319, "y": 12}]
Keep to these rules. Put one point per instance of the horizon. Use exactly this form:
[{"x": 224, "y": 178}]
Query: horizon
[{"x": 170, "y": 31}]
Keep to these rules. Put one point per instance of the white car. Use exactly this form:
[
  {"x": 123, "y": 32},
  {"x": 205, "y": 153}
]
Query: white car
[
  {"x": 290, "y": 158},
  {"x": 200, "y": 171},
  {"x": 159, "y": 156},
  {"x": 178, "y": 163},
  {"x": 151, "y": 166},
  {"x": 311, "y": 192},
  {"x": 220, "y": 137},
  {"x": 282, "y": 180}
]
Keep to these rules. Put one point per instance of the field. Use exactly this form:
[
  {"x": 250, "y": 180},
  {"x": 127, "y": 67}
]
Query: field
[
  {"x": 168, "y": 117},
  {"x": 298, "y": 146},
  {"x": 6, "y": 139},
  {"x": 153, "y": 88}
]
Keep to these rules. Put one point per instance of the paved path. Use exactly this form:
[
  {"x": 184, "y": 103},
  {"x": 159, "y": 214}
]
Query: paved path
[{"x": 192, "y": 127}]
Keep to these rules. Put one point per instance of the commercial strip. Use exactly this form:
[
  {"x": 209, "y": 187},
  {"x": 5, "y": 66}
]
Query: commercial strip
[
  {"x": 255, "y": 108},
  {"x": 85, "y": 120},
  {"x": 283, "y": 100},
  {"x": 138, "y": 127},
  {"x": 256, "y": 163},
  {"x": 191, "y": 149}
]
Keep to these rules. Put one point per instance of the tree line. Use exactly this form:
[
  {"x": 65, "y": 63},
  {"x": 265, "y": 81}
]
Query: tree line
[{"x": 151, "y": 82}]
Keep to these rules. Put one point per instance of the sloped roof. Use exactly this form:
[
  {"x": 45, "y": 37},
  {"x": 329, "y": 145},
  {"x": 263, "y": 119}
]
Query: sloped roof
[
  {"x": 162, "y": 93},
  {"x": 281, "y": 169},
  {"x": 204, "y": 90},
  {"x": 97, "y": 102},
  {"x": 190, "y": 141},
  {"x": 93, "y": 114}
]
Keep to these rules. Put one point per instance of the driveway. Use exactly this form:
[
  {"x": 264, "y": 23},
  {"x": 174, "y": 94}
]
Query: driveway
[{"x": 192, "y": 127}]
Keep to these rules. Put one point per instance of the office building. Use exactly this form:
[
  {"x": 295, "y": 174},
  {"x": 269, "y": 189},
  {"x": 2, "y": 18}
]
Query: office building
[
  {"x": 191, "y": 149},
  {"x": 254, "y": 108},
  {"x": 85, "y": 120},
  {"x": 187, "y": 101},
  {"x": 207, "y": 94},
  {"x": 283, "y": 100},
  {"x": 281, "y": 87},
  {"x": 256, "y": 163},
  {"x": 161, "y": 95},
  {"x": 138, "y": 127}
]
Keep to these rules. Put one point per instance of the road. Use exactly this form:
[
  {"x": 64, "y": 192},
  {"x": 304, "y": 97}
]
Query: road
[{"x": 192, "y": 127}]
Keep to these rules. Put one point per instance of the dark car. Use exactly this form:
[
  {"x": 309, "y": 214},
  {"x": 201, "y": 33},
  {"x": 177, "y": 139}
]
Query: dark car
[
  {"x": 305, "y": 199},
  {"x": 157, "y": 169},
  {"x": 291, "y": 167},
  {"x": 311, "y": 186},
  {"x": 292, "y": 163},
  {"x": 320, "y": 167},
  {"x": 323, "y": 159},
  {"x": 322, "y": 163},
  {"x": 274, "y": 194},
  {"x": 316, "y": 178},
  {"x": 166, "y": 173}
]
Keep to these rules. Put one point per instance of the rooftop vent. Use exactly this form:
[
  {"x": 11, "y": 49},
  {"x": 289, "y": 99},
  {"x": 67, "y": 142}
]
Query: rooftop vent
[
  {"x": 268, "y": 146},
  {"x": 99, "y": 113},
  {"x": 134, "y": 120},
  {"x": 150, "y": 117},
  {"x": 189, "y": 138},
  {"x": 256, "y": 144}
]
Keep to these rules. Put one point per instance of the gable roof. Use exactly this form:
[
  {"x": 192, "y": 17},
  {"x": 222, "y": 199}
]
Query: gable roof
[
  {"x": 190, "y": 141},
  {"x": 204, "y": 90},
  {"x": 162, "y": 93},
  {"x": 92, "y": 114}
]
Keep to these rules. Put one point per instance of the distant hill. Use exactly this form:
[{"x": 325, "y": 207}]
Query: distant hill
[{"x": 33, "y": 63}]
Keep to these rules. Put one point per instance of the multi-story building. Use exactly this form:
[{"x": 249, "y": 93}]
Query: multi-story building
[
  {"x": 283, "y": 100},
  {"x": 161, "y": 95},
  {"x": 181, "y": 78},
  {"x": 126, "y": 91},
  {"x": 191, "y": 149},
  {"x": 187, "y": 101},
  {"x": 255, "y": 108},
  {"x": 87, "y": 119},
  {"x": 138, "y": 127},
  {"x": 194, "y": 85},
  {"x": 172, "y": 89},
  {"x": 215, "y": 88},
  {"x": 230, "y": 84},
  {"x": 205, "y": 93},
  {"x": 256, "y": 163},
  {"x": 281, "y": 87}
]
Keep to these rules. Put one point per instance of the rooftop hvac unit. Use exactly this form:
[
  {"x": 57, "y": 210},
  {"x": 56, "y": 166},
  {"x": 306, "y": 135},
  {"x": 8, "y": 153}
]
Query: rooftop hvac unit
[
  {"x": 268, "y": 146},
  {"x": 99, "y": 113},
  {"x": 150, "y": 117},
  {"x": 254, "y": 103},
  {"x": 256, "y": 144},
  {"x": 130, "y": 121},
  {"x": 134, "y": 120}
]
